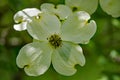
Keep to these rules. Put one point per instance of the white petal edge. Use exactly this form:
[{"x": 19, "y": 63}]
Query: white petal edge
[
  {"x": 21, "y": 18},
  {"x": 111, "y": 7},
  {"x": 89, "y": 6},
  {"x": 35, "y": 58},
  {"x": 20, "y": 15},
  {"x": 62, "y": 11},
  {"x": 20, "y": 27},
  {"x": 76, "y": 28},
  {"x": 47, "y": 7},
  {"x": 66, "y": 57}
]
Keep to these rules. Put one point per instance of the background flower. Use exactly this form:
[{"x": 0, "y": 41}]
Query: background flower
[
  {"x": 111, "y": 7},
  {"x": 61, "y": 11}
]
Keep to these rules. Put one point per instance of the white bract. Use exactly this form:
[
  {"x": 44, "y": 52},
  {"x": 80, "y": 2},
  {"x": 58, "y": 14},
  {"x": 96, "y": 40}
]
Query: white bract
[
  {"x": 111, "y": 7},
  {"x": 61, "y": 11},
  {"x": 21, "y": 19}
]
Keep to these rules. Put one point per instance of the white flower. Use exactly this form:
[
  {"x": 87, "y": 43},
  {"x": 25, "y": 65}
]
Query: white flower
[
  {"x": 56, "y": 43},
  {"x": 111, "y": 7}
]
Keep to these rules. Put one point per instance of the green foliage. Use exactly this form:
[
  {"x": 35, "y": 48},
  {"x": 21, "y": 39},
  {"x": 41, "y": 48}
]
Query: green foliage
[{"x": 102, "y": 53}]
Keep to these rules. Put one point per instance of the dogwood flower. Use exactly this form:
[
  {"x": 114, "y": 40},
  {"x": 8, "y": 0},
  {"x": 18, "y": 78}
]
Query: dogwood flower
[
  {"x": 62, "y": 11},
  {"x": 56, "y": 42},
  {"x": 111, "y": 7}
]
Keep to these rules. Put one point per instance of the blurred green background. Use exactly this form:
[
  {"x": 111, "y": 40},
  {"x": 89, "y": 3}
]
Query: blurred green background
[{"x": 102, "y": 53}]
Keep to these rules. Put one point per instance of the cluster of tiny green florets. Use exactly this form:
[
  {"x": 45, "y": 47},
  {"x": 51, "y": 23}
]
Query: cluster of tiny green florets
[{"x": 55, "y": 40}]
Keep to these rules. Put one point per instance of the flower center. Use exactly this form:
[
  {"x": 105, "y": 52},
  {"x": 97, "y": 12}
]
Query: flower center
[{"x": 55, "y": 40}]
